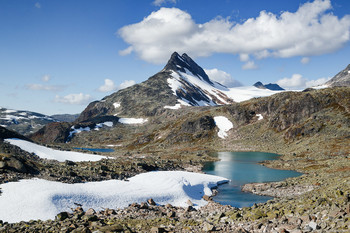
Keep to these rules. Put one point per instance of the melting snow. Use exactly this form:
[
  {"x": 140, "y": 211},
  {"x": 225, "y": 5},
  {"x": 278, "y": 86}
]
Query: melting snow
[
  {"x": 81, "y": 129},
  {"x": 48, "y": 198},
  {"x": 224, "y": 125},
  {"x": 238, "y": 94},
  {"x": 260, "y": 117},
  {"x": 48, "y": 153},
  {"x": 132, "y": 120}
]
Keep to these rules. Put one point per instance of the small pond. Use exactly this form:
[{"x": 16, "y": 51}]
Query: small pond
[
  {"x": 105, "y": 150},
  {"x": 242, "y": 168}
]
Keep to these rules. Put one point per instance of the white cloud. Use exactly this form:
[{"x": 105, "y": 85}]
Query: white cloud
[
  {"x": 41, "y": 87},
  {"x": 311, "y": 30},
  {"x": 249, "y": 65},
  {"x": 46, "y": 78},
  {"x": 108, "y": 86},
  {"x": 222, "y": 77},
  {"x": 37, "y": 5},
  {"x": 126, "y": 83},
  {"x": 161, "y": 2},
  {"x": 76, "y": 99},
  {"x": 126, "y": 51},
  {"x": 317, "y": 82},
  {"x": 244, "y": 57},
  {"x": 305, "y": 60},
  {"x": 297, "y": 81}
]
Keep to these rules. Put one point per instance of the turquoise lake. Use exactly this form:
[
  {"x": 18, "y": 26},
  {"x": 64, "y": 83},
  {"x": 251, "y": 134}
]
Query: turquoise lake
[
  {"x": 95, "y": 149},
  {"x": 242, "y": 168}
]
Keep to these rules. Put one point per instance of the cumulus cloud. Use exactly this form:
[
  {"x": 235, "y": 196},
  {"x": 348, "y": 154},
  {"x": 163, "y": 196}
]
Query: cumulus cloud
[
  {"x": 311, "y": 30},
  {"x": 108, "y": 86},
  {"x": 126, "y": 83},
  {"x": 250, "y": 65},
  {"x": 305, "y": 60},
  {"x": 222, "y": 77},
  {"x": 46, "y": 78},
  {"x": 41, "y": 87},
  {"x": 297, "y": 81},
  {"x": 161, "y": 2},
  {"x": 75, "y": 99}
]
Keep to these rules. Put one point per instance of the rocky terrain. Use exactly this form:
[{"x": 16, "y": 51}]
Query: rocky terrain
[{"x": 310, "y": 129}]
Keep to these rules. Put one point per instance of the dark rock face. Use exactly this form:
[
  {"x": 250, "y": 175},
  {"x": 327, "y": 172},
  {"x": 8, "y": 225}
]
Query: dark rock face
[
  {"x": 341, "y": 79},
  {"x": 56, "y": 132},
  {"x": 259, "y": 85},
  {"x": 274, "y": 87},
  {"x": 204, "y": 123},
  {"x": 180, "y": 63},
  {"x": 5, "y": 133}
]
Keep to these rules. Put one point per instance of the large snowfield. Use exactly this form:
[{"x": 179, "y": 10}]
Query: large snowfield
[
  {"x": 48, "y": 153},
  {"x": 42, "y": 199}
]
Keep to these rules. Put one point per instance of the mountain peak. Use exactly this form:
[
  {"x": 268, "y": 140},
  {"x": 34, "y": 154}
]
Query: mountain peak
[
  {"x": 270, "y": 86},
  {"x": 184, "y": 62}
]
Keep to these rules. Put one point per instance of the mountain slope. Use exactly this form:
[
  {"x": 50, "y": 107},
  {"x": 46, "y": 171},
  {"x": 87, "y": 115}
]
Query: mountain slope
[
  {"x": 23, "y": 122},
  {"x": 340, "y": 79},
  {"x": 182, "y": 81}
]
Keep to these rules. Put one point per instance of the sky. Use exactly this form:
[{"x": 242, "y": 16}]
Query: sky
[{"x": 57, "y": 56}]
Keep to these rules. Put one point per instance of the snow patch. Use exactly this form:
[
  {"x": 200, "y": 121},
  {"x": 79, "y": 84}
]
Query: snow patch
[
  {"x": 132, "y": 120},
  {"x": 178, "y": 105},
  {"x": 116, "y": 105},
  {"x": 10, "y": 111},
  {"x": 224, "y": 125},
  {"x": 48, "y": 153},
  {"x": 79, "y": 130},
  {"x": 48, "y": 198},
  {"x": 260, "y": 117}
]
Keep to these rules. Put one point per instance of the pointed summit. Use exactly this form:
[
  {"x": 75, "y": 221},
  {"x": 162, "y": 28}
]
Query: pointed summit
[{"x": 181, "y": 63}]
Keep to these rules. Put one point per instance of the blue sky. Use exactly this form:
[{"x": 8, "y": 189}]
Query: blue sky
[{"x": 57, "y": 56}]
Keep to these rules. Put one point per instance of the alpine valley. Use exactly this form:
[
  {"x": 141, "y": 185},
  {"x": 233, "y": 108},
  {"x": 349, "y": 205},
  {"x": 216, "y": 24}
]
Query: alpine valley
[{"x": 174, "y": 121}]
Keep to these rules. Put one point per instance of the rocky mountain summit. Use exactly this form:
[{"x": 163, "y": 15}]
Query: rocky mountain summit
[
  {"x": 181, "y": 82},
  {"x": 270, "y": 86},
  {"x": 340, "y": 79}
]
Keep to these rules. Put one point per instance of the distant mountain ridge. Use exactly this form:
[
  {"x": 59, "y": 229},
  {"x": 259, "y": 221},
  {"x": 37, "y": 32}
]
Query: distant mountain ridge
[
  {"x": 23, "y": 122},
  {"x": 270, "y": 86}
]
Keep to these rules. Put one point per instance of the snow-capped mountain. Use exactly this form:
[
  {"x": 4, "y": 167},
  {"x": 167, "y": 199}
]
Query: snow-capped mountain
[
  {"x": 340, "y": 79},
  {"x": 182, "y": 82},
  {"x": 23, "y": 122},
  {"x": 191, "y": 84}
]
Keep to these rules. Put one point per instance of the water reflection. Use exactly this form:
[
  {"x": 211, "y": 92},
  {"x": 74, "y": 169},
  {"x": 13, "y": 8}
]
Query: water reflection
[{"x": 242, "y": 168}]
